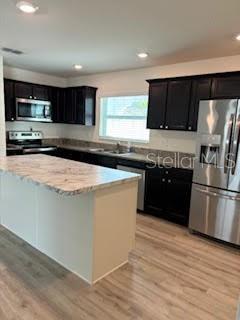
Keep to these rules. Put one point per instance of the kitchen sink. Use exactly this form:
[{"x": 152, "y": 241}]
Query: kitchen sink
[
  {"x": 118, "y": 152},
  {"x": 96, "y": 150},
  {"x": 107, "y": 151}
]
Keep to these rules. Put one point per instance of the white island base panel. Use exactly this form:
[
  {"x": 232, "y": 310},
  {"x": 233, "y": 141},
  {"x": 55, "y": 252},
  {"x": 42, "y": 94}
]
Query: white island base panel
[{"x": 90, "y": 234}]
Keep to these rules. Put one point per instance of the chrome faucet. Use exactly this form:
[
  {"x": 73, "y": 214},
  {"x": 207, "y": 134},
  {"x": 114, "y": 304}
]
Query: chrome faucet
[{"x": 118, "y": 147}]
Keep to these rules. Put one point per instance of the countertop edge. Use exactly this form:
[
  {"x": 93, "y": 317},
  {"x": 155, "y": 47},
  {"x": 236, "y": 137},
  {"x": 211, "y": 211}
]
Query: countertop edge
[{"x": 75, "y": 192}]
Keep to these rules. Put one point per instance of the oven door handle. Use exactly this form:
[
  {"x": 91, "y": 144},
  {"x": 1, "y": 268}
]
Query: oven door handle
[
  {"x": 228, "y": 142},
  {"x": 38, "y": 150},
  {"x": 215, "y": 194}
]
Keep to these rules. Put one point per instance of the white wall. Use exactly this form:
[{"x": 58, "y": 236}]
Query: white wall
[
  {"x": 2, "y": 113},
  {"x": 49, "y": 130},
  {"x": 133, "y": 81},
  {"x": 35, "y": 77},
  {"x": 120, "y": 83}
]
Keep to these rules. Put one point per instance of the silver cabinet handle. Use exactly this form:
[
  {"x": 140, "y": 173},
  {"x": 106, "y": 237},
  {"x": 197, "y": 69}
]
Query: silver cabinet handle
[
  {"x": 161, "y": 126},
  {"x": 228, "y": 139},
  {"x": 215, "y": 194},
  {"x": 166, "y": 127}
]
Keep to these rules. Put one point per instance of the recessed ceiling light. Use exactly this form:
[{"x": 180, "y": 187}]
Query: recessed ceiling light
[
  {"x": 238, "y": 37},
  {"x": 142, "y": 55},
  {"x": 26, "y": 7},
  {"x": 77, "y": 66}
]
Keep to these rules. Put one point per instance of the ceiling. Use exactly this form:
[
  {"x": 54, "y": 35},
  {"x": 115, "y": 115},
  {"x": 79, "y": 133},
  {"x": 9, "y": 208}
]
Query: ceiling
[{"x": 105, "y": 35}]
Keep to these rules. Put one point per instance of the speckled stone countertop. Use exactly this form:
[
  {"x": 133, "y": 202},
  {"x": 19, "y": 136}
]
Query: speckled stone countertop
[
  {"x": 63, "y": 176},
  {"x": 152, "y": 158}
]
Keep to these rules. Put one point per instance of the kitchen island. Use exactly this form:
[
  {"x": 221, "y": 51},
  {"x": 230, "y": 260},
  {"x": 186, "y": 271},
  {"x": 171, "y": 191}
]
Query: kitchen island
[{"x": 82, "y": 216}]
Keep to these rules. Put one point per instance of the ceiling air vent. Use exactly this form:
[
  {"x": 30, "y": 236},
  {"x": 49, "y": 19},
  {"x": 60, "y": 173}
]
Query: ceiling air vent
[{"x": 14, "y": 51}]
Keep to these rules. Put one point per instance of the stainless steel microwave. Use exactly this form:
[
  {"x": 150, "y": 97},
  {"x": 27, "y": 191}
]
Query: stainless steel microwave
[{"x": 33, "y": 110}]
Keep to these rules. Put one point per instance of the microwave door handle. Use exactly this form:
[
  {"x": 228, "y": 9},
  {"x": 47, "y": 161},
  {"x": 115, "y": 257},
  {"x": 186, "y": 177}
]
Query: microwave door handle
[
  {"x": 228, "y": 140},
  {"x": 44, "y": 112},
  {"x": 235, "y": 145}
]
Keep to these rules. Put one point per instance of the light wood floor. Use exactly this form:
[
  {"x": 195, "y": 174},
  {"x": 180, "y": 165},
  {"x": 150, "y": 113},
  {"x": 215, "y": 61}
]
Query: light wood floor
[{"x": 171, "y": 275}]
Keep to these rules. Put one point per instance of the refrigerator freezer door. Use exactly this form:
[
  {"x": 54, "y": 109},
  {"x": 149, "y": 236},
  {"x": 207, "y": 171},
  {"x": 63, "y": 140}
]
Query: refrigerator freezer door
[
  {"x": 215, "y": 213},
  {"x": 215, "y": 127},
  {"x": 234, "y": 172}
]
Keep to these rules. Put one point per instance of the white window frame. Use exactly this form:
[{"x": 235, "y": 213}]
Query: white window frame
[{"x": 104, "y": 137}]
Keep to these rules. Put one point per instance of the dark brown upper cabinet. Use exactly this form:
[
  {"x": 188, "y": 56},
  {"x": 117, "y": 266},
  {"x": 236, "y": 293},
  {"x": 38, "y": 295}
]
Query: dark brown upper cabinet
[
  {"x": 10, "y": 105},
  {"x": 70, "y": 105},
  {"x": 40, "y": 92},
  {"x": 168, "y": 106},
  {"x": 174, "y": 102},
  {"x": 201, "y": 89},
  {"x": 58, "y": 98},
  {"x": 31, "y": 91},
  {"x": 88, "y": 117},
  {"x": 157, "y": 105},
  {"x": 226, "y": 86},
  {"x": 75, "y": 105},
  {"x": 23, "y": 90},
  {"x": 177, "y": 107},
  {"x": 84, "y": 105}
]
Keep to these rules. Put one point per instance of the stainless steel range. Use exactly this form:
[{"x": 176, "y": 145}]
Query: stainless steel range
[
  {"x": 28, "y": 142},
  {"x": 215, "y": 200}
]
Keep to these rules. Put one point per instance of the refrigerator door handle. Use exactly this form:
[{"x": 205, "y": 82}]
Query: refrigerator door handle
[
  {"x": 228, "y": 142},
  {"x": 235, "y": 145},
  {"x": 219, "y": 195}
]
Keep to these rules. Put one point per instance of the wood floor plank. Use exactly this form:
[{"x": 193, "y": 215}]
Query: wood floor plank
[{"x": 171, "y": 275}]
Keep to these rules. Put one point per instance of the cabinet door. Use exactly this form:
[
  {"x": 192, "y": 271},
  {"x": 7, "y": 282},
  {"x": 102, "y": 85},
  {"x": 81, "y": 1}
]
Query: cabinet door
[
  {"x": 178, "y": 193},
  {"x": 201, "y": 89},
  {"x": 226, "y": 87},
  {"x": 178, "y": 100},
  {"x": 23, "y": 90},
  {"x": 89, "y": 109},
  {"x": 157, "y": 105},
  {"x": 105, "y": 161},
  {"x": 58, "y": 104},
  {"x": 40, "y": 92},
  {"x": 155, "y": 193},
  {"x": 79, "y": 106},
  {"x": 9, "y": 97},
  {"x": 70, "y": 105},
  {"x": 85, "y": 106}
]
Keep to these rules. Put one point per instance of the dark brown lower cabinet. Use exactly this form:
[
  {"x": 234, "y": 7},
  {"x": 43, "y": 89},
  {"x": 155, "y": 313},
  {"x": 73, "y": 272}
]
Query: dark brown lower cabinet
[
  {"x": 91, "y": 158},
  {"x": 168, "y": 193}
]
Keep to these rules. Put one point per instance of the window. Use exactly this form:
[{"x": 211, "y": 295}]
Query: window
[{"x": 124, "y": 118}]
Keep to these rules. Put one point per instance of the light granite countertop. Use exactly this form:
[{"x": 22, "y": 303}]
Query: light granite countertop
[
  {"x": 127, "y": 155},
  {"x": 63, "y": 176},
  {"x": 166, "y": 159}
]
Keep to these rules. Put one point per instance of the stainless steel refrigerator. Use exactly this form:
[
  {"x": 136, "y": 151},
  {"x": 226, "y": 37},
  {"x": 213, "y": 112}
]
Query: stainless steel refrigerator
[{"x": 215, "y": 199}]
